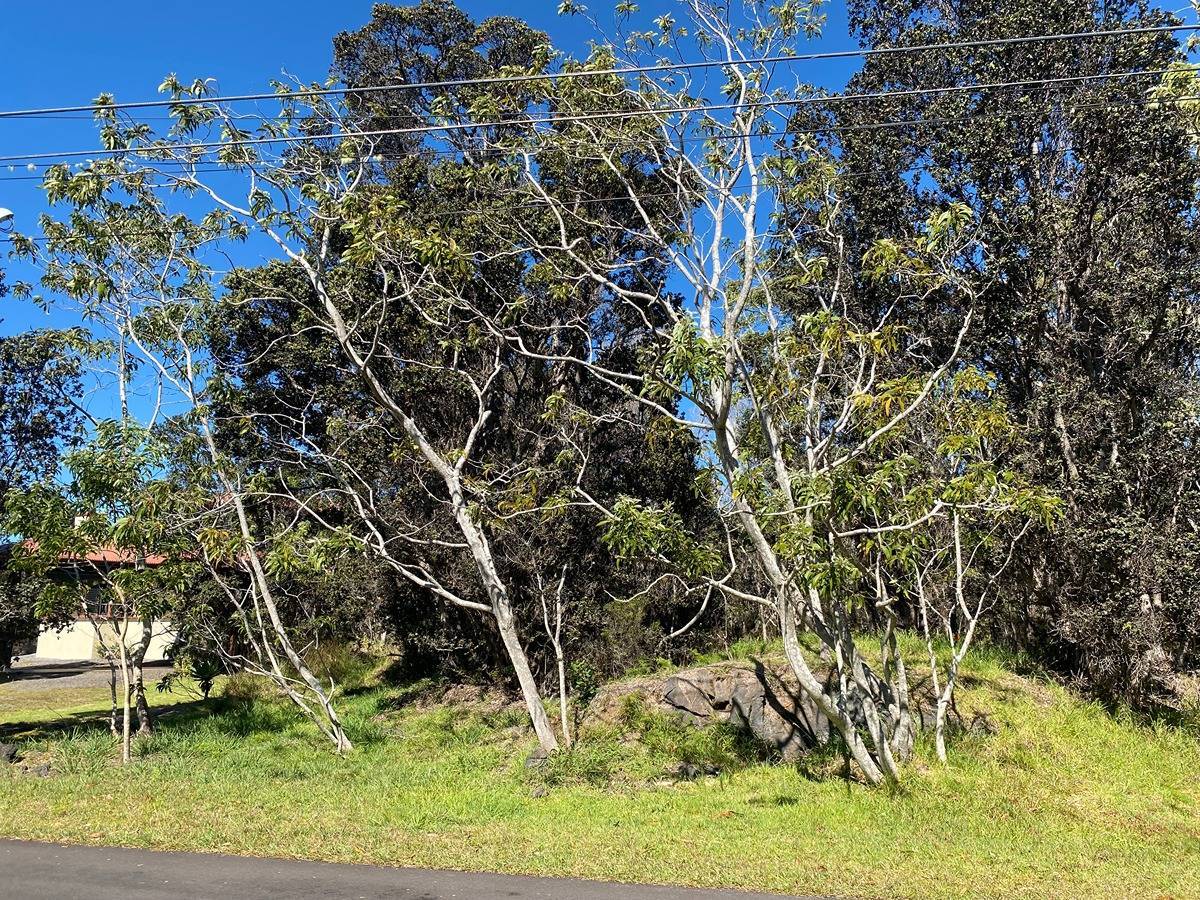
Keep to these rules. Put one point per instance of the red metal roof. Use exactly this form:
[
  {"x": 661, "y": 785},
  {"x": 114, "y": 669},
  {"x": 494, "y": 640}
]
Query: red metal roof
[{"x": 112, "y": 556}]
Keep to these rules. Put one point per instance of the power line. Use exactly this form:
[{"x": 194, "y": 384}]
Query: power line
[
  {"x": 826, "y": 129},
  {"x": 538, "y": 203},
  {"x": 594, "y": 73},
  {"x": 738, "y": 135},
  {"x": 585, "y": 117}
]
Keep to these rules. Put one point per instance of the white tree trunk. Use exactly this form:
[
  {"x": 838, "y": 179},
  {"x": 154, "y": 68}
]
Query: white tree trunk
[
  {"x": 137, "y": 660},
  {"x": 123, "y": 655},
  {"x": 477, "y": 542},
  {"x": 555, "y": 635},
  {"x": 332, "y": 725},
  {"x": 481, "y": 552},
  {"x": 838, "y": 717}
]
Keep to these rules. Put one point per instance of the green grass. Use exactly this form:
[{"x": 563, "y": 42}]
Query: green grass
[
  {"x": 78, "y": 705},
  {"x": 1063, "y": 801}
]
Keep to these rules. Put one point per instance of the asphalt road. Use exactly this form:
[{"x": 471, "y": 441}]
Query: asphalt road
[{"x": 32, "y": 871}]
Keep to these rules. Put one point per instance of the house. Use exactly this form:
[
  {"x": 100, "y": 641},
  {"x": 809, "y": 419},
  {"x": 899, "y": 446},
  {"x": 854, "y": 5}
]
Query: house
[{"x": 79, "y": 639}]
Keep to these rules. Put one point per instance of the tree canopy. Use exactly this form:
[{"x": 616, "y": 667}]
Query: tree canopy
[{"x": 553, "y": 369}]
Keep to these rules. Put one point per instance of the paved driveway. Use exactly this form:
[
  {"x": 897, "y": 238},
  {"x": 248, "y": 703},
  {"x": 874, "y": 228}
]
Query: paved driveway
[
  {"x": 32, "y": 871},
  {"x": 31, "y": 673}
]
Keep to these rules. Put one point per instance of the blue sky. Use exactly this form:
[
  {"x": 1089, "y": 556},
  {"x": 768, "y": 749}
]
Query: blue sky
[{"x": 65, "y": 53}]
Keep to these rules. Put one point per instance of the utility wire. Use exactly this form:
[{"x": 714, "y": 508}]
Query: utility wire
[
  {"x": 817, "y": 99},
  {"x": 593, "y": 73},
  {"x": 868, "y": 126},
  {"x": 586, "y": 117},
  {"x": 725, "y": 136},
  {"x": 568, "y": 203}
]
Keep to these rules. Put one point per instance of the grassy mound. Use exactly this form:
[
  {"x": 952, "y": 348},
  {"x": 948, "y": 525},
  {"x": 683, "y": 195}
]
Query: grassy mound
[{"x": 1063, "y": 800}]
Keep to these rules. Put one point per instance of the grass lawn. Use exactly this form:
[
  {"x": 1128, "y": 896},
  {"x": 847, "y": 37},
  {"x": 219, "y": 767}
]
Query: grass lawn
[
  {"x": 1062, "y": 801},
  {"x": 59, "y": 707}
]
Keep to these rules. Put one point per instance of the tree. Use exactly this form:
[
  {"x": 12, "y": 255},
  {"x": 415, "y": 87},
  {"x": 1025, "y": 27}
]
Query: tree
[
  {"x": 808, "y": 411},
  {"x": 40, "y": 373},
  {"x": 397, "y": 292},
  {"x": 400, "y": 272},
  {"x": 114, "y": 523},
  {"x": 1085, "y": 196},
  {"x": 134, "y": 268},
  {"x": 391, "y": 289},
  {"x": 435, "y": 41}
]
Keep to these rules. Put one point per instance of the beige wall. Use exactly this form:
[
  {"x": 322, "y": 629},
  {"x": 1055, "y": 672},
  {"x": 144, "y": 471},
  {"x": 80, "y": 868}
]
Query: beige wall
[{"x": 78, "y": 641}]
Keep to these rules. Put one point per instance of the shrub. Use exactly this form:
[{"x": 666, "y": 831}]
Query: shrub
[
  {"x": 340, "y": 662},
  {"x": 247, "y": 687},
  {"x": 712, "y": 749},
  {"x": 585, "y": 682}
]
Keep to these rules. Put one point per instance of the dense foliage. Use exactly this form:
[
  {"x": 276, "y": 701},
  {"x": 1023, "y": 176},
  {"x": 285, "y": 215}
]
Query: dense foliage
[
  {"x": 40, "y": 381},
  {"x": 548, "y": 377},
  {"x": 1086, "y": 201}
]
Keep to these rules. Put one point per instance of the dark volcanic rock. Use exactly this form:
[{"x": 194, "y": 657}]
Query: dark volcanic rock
[
  {"x": 537, "y": 758},
  {"x": 688, "y": 698},
  {"x": 8, "y": 753},
  {"x": 686, "y": 772},
  {"x": 765, "y": 700}
]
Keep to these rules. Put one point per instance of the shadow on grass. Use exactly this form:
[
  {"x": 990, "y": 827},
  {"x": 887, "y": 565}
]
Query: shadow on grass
[
  {"x": 171, "y": 715},
  {"x": 230, "y": 717}
]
